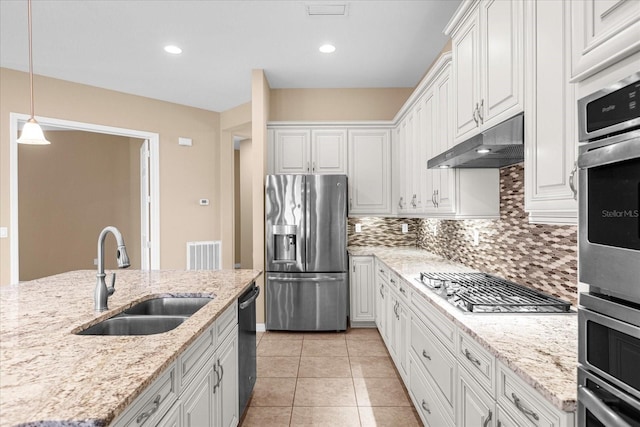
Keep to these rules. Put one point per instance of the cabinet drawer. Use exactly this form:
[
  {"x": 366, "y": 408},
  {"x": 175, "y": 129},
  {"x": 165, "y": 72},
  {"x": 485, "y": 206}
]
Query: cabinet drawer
[
  {"x": 194, "y": 357},
  {"x": 226, "y": 322},
  {"x": 404, "y": 290},
  {"x": 525, "y": 405},
  {"x": 441, "y": 327},
  {"x": 479, "y": 362},
  {"x": 382, "y": 272},
  {"x": 150, "y": 406},
  {"x": 436, "y": 360},
  {"x": 424, "y": 398}
]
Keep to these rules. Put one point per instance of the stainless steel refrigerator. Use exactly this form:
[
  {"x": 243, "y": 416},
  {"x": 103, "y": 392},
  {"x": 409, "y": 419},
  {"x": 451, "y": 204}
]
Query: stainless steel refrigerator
[{"x": 306, "y": 252}]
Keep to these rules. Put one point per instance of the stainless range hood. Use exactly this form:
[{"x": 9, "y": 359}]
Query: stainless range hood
[{"x": 500, "y": 146}]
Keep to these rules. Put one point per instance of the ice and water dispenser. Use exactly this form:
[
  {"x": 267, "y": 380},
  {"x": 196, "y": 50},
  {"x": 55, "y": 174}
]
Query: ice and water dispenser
[{"x": 284, "y": 243}]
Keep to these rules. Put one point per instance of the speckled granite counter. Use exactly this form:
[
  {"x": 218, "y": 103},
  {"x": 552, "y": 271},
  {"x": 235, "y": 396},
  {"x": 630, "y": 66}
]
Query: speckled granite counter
[
  {"x": 50, "y": 376},
  {"x": 540, "y": 348}
]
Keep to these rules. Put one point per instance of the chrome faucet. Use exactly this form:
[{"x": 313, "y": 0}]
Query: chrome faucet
[{"x": 102, "y": 292}]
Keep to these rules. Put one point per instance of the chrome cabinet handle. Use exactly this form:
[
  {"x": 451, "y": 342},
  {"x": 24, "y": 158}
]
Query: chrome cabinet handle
[
  {"x": 425, "y": 407},
  {"x": 381, "y": 293},
  {"x": 425, "y": 355},
  {"x": 486, "y": 421},
  {"x": 221, "y": 370},
  {"x": 402, "y": 290},
  {"x": 527, "y": 412},
  {"x": 401, "y": 203},
  {"x": 143, "y": 417},
  {"x": 433, "y": 198},
  {"x": 475, "y": 111},
  {"x": 381, "y": 270},
  {"x": 413, "y": 201},
  {"x": 480, "y": 108},
  {"x": 437, "y": 194},
  {"x": 469, "y": 356},
  {"x": 314, "y": 167},
  {"x": 307, "y": 167},
  {"x": 215, "y": 386},
  {"x": 572, "y": 182}
]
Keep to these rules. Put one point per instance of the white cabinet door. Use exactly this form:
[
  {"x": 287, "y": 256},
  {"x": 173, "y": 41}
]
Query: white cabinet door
[
  {"x": 602, "y": 33},
  {"x": 401, "y": 166},
  {"x": 475, "y": 406},
  {"x": 197, "y": 400},
  {"x": 403, "y": 331},
  {"x": 501, "y": 60},
  {"x": 173, "y": 417},
  {"x": 550, "y": 151},
  {"x": 329, "y": 151},
  {"x": 444, "y": 179},
  {"x": 488, "y": 66},
  {"x": 382, "y": 294},
  {"x": 226, "y": 393},
  {"x": 369, "y": 171},
  {"x": 361, "y": 282},
  {"x": 466, "y": 64},
  {"x": 292, "y": 151}
]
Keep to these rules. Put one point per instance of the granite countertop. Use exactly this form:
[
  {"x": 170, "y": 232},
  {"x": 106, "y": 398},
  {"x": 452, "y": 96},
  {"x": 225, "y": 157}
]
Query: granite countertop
[
  {"x": 542, "y": 349},
  {"x": 50, "y": 376}
]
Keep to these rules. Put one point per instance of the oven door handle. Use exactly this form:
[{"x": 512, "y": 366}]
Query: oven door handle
[
  {"x": 600, "y": 409},
  {"x": 618, "y": 152}
]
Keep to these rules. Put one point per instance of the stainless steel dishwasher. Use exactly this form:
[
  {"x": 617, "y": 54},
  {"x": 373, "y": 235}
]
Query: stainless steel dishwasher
[{"x": 247, "y": 345}]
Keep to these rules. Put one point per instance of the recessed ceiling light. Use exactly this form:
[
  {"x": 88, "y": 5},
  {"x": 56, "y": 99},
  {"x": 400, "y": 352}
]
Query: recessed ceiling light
[
  {"x": 444, "y": 166},
  {"x": 175, "y": 50},
  {"x": 327, "y": 48},
  {"x": 483, "y": 150}
]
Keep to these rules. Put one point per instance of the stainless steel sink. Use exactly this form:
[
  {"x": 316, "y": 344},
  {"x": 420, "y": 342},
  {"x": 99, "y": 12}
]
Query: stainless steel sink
[
  {"x": 134, "y": 325},
  {"x": 169, "y": 306}
]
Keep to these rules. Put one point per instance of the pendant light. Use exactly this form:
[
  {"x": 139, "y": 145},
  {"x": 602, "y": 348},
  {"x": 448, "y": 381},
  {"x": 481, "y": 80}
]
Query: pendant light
[{"x": 31, "y": 132}]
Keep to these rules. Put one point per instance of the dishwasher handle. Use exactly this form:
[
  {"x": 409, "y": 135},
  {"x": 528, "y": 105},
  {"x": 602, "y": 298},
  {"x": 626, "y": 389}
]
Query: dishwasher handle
[{"x": 247, "y": 302}]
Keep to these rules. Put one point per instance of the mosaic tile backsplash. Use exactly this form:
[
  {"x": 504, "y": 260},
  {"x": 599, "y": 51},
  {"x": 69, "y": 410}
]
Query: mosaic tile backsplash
[{"x": 539, "y": 256}]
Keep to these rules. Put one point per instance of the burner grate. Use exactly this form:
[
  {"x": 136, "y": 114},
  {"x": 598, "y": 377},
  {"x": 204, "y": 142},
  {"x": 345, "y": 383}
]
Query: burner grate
[{"x": 480, "y": 292}]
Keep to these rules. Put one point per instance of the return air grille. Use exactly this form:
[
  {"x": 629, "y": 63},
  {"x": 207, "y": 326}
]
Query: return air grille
[{"x": 204, "y": 255}]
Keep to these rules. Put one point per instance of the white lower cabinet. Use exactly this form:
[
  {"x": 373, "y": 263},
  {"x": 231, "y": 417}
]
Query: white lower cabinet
[
  {"x": 476, "y": 407},
  {"x": 200, "y": 389},
  {"x": 451, "y": 378},
  {"x": 424, "y": 398},
  {"x": 362, "y": 291}
]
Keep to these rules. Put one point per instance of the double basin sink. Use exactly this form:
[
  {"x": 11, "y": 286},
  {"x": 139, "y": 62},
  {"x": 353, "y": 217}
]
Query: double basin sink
[{"x": 153, "y": 316}]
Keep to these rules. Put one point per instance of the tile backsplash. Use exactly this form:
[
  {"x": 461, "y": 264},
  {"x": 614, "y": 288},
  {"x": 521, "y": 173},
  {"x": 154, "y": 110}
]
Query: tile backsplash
[{"x": 539, "y": 256}]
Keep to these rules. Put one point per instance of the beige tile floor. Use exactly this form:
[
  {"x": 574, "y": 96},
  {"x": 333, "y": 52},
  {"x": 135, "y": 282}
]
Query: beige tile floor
[{"x": 327, "y": 379}]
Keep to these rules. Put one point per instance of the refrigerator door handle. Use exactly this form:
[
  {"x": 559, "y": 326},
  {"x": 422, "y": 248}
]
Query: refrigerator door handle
[{"x": 303, "y": 279}]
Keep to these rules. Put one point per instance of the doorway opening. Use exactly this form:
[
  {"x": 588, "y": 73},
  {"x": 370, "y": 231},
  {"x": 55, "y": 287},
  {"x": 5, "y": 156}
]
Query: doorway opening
[{"x": 60, "y": 195}]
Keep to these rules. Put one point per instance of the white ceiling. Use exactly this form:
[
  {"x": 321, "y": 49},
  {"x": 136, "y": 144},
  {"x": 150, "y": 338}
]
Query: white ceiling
[{"x": 118, "y": 45}]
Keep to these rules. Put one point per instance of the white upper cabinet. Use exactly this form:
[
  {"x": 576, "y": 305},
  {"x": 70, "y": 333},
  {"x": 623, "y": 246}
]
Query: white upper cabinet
[
  {"x": 369, "y": 155},
  {"x": 304, "y": 151},
  {"x": 329, "y": 151},
  {"x": 550, "y": 115},
  {"x": 602, "y": 33},
  {"x": 488, "y": 64}
]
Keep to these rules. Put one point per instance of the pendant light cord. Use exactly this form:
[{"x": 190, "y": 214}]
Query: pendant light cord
[{"x": 30, "y": 59}]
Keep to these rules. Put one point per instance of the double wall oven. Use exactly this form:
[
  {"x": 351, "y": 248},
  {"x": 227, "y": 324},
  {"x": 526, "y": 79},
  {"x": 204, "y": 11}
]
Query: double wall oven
[{"x": 609, "y": 256}]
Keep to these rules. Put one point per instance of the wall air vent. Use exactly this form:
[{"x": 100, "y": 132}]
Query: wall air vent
[{"x": 324, "y": 9}]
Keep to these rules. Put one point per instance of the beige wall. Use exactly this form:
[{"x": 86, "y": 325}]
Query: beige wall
[
  {"x": 260, "y": 94},
  {"x": 237, "y": 255},
  {"x": 336, "y": 104},
  {"x": 246, "y": 205},
  {"x": 186, "y": 173},
  {"x": 68, "y": 192}
]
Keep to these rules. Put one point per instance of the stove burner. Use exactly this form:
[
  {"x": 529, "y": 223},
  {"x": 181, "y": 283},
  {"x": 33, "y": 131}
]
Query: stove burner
[{"x": 484, "y": 293}]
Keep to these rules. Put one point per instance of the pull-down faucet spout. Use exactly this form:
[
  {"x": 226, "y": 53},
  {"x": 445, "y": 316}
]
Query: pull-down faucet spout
[{"x": 102, "y": 292}]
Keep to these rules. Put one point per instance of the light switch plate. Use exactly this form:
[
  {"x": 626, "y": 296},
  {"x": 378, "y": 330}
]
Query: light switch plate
[
  {"x": 185, "y": 141},
  {"x": 405, "y": 228},
  {"x": 358, "y": 228}
]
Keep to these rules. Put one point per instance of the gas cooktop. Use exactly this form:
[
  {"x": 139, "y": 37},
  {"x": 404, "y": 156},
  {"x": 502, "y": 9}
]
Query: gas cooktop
[{"x": 484, "y": 293}]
